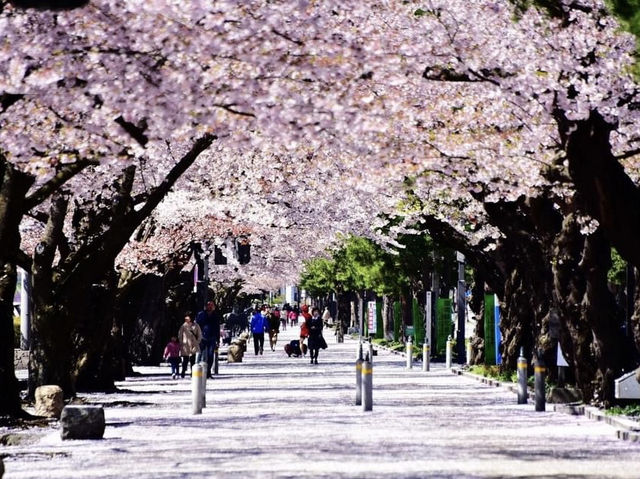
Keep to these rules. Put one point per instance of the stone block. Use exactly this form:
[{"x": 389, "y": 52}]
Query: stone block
[
  {"x": 49, "y": 401},
  {"x": 235, "y": 354},
  {"x": 82, "y": 422},
  {"x": 564, "y": 395}
]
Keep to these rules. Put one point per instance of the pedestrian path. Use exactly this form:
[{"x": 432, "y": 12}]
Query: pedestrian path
[{"x": 275, "y": 416}]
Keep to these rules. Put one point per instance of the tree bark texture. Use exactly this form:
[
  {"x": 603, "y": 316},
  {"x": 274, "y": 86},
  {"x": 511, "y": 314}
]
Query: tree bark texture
[{"x": 13, "y": 190}]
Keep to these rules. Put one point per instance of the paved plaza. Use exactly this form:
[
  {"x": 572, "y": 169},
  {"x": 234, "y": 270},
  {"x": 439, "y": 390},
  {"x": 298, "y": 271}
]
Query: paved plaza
[{"x": 275, "y": 416}]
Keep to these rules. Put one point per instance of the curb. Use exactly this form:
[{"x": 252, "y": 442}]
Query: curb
[{"x": 626, "y": 429}]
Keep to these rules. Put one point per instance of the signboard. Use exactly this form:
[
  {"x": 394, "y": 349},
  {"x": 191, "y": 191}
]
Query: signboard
[
  {"x": 443, "y": 324},
  {"x": 372, "y": 324},
  {"x": 492, "y": 336}
]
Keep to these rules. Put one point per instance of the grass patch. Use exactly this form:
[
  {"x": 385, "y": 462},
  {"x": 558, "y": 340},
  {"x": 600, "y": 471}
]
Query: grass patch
[
  {"x": 494, "y": 372},
  {"x": 632, "y": 410}
]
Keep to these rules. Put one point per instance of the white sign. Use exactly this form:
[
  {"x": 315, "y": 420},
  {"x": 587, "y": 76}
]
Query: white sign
[
  {"x": 372, "y": 323},
  {"x": 561, "y": 361}
]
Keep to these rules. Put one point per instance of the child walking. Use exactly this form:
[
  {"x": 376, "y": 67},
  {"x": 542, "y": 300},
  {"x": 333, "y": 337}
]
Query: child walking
[{"x": 172, "y": 354}]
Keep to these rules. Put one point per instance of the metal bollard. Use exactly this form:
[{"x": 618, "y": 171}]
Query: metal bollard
[
  {"x": 469, "y": 352},
  {"x": 448, "y": 353},
  {"x": 203, "y": 399},
  {"x": 216, "y": 357},
  {"x": 426, "y": 353},
  {"x": 539, "y": 375},
  {"x": 196, "y": 388},
  {"x": 522, "y": 378},
  {"x": 359, "y": 354},
  {"x": 367, "y": 386},
  {"x": 409, "y": 353},
  {"x": 359, "y": 381}
]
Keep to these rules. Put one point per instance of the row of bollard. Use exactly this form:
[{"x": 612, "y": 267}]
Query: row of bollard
[
  {"x": 364, "y": 374},
  {"x": 539, "y": 372}
]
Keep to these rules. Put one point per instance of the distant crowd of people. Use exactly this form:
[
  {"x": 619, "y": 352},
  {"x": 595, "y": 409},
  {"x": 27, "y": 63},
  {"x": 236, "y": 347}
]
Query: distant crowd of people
[
  {"x": 269, "y": 320},
  {"x": 198, "y": 340}
]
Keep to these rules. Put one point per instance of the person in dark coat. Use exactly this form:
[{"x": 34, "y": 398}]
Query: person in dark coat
[
  {"x": 316, "y": 341},
  {"x": 209, "y": 321}
]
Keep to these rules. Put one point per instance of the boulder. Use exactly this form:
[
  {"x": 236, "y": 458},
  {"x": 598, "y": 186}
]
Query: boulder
[
  {"x": 564, "y": 395},
  {"x": 82, "y": 422},
  {"x": 235, "y": 354},
  {"x": 49, "y": 401}
]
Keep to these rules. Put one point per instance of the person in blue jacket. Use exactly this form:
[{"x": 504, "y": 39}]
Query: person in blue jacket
[{"x": 259, "y": 324}]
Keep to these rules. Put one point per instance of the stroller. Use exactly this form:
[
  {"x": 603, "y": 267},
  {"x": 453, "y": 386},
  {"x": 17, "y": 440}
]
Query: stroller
[{"x": 293, "y": 348}]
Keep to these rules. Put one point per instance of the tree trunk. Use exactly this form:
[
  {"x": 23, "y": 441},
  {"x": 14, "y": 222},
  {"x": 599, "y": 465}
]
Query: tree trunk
[{"x": 13, "y": 189}]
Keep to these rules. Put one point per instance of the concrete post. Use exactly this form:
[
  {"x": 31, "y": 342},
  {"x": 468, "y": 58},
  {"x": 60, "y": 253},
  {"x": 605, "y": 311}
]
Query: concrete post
[
  {"x": 359, "y": 381},
  {"x": 469, "y": 352},
  {"x": 409, "y": 353},
  {"x": 367, "y": 386},
  {"x": 196, "y": 388},
  {"x": 539, "y": 375},
  {"x": 448, "y": 353},
  {"x": 359, "y": 353},
  {"x": 370, "y": 352},
  {"x": 426, "y": 356},
  {"x": 522, "y": 378},
  {"x": 203, "y": 379}
]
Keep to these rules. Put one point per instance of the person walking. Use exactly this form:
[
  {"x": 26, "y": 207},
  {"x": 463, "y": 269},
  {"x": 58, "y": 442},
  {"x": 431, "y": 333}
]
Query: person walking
[
  {"x": 293, "y": 317},
  {"x": 209, "y": 321},
  {"x": 189, "y": 336},
  {"x": 304, "y": 326},
  {"x": 274, "y": 329},
  {"x": 316, "y": 340},
  {"x": 259, "y": 325},
  {"x": 172, "y": 354}
]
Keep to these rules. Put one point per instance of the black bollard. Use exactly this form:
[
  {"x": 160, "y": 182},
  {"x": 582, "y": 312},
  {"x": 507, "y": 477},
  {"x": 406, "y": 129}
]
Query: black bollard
[
  {"x": 359, "y": 381},
  {"x": 367, "y": 386},
  {"x": 522, "y": 378},
  {"x": 215, "y": 360},
  {"x": 539, "y": 374}
]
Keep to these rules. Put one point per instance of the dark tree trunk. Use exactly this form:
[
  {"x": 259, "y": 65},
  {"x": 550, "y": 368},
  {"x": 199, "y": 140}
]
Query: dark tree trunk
[
  {"x": 523, "y": 256},
  {"x": 605, "y": 190},
  {"x": 591, "y": 331},
  {"x": 569, "y": 290},
  {"x": 13, "y": 190}
]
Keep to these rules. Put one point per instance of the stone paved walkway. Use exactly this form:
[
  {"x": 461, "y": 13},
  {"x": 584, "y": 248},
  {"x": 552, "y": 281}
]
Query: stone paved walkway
[{"x": 274, "y": 416}]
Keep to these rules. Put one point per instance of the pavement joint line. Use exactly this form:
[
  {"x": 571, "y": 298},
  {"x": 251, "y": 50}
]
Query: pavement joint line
[{"x": 626, "y": 429}]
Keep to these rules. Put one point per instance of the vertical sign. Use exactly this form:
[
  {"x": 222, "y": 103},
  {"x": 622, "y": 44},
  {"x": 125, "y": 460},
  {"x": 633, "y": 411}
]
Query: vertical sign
[
  {"x": 443, "y": 324},
  {"x": 427, "y": 317},
  {"x": 496, "y": 315},
  {"x": 372, "y": 323}
]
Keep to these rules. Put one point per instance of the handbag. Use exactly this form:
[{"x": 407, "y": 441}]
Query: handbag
[{"x": 323, "y": 343}]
